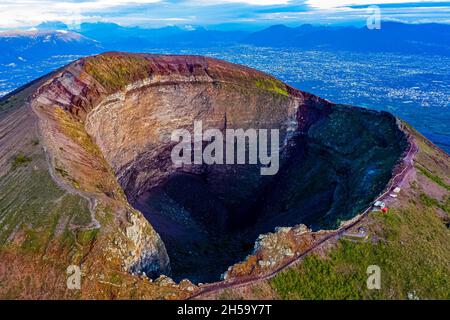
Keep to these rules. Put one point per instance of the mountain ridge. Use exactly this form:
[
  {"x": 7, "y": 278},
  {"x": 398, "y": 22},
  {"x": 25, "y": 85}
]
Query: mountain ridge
[{"x": 92, "y": 38}]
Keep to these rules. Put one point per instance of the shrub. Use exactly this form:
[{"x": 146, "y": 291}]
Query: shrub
[{"x": 20, "y": 160}]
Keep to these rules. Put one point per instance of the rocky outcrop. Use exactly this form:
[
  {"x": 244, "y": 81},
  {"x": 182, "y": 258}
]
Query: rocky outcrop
[{"x": 150, "y": 256}]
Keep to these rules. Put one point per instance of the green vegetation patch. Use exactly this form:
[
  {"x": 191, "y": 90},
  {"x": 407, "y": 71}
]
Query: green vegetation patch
[
  {"x": 75, "y": 130},
  {"x": 115, "y": 72},
  {"x": 272, "y": 85},
  {"x": 436, "y": 179},
  {"x": 432, "y": 202},
  {"x": 85, "y": 237},
  {"x": 12, "y": 101},
  {"x": 6, "y": 104},
  {"x": 33, "y": 205},
  {"x": 20, "y": 160},
  {"x": 18, "y": 99}
]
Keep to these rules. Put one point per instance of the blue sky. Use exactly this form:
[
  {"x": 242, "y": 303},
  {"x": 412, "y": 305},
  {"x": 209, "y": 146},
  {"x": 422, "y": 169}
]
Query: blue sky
[{"x": 224, "y": 13}]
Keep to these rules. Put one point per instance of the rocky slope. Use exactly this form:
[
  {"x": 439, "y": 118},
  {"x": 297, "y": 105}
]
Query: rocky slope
[{"x": 96, "y": 134}]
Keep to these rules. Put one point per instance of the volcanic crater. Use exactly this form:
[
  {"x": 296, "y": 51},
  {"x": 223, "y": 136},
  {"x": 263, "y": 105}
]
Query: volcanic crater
[{"x": 334, "y": 159}]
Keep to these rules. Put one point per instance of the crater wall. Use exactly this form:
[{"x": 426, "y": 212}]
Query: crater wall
[{"x": 334, "y": 159}]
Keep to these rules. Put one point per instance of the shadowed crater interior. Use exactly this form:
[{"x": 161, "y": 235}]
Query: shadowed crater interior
[{"x": 210, "y": 216}]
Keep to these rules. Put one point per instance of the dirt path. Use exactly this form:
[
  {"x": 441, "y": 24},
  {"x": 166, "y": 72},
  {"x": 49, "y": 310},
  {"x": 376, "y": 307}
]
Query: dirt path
[{"x": 94, "y": 224}]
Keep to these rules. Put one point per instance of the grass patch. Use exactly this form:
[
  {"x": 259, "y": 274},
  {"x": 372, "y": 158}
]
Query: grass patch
[
  {"x": 115, "y": 72},
  {"x": 431, "y": 202},
  {"x": 32, "y": 242},
  {"x": 20, "y": 161},
  {"x": 75, "y": 131},
  {"x": 9, "y": 103},
  {"x": 38, "y": 206},
  {"x": 428, "y": 201},
  {"x": 272, "y": 85},
  {"x": 436, "y": 179},
  {"x": 85, "y": 237},
  {"x": 228, "y": 294},
  {"x": 413, "y": 255}
]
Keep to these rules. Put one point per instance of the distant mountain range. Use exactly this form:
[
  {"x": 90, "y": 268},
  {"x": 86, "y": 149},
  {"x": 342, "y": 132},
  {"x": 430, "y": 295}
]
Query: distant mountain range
[
  {"x": 392, "y": 37},
  {"x": 115, "y": 37},
  {"x": 21, "y": 46},
  {"x": 53, "y": 38}
]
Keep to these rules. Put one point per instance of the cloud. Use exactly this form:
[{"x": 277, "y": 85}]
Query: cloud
[
  {"x": 329, "y": 4},
  {"x": 19, "y": 13},
  {"x": 358, "y": 15},
  {"x": 28, "y": 13},
  {"x": 98, "y": 4},
  {"x": 249, "y": 2}
]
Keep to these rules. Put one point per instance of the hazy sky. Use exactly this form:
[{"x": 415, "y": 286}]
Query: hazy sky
[{"x": 157, "y": 13}]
